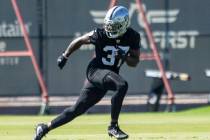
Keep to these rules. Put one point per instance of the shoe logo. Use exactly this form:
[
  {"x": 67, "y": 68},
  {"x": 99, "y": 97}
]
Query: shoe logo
[{"x": 39, "y": 130}]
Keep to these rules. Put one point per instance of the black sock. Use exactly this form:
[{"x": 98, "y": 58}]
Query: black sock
[{"x": 114, "y": 123}]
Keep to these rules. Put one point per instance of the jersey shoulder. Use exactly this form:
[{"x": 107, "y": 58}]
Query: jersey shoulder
[
  {"x": 133, "y": 33},
  {"x": 100, "y": 32},
  {"x": 134, "y": 38},
  {"x": 98, "y": 35}
]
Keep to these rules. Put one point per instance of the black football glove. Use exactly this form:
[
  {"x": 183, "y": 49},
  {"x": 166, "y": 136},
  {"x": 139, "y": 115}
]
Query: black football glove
[{"x": 61, "y": 61}]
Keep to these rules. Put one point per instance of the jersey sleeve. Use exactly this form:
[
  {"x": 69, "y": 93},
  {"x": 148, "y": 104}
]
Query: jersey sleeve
[
  {"x": 135, "y": 41},
  {"x": 94, "y": 37}
]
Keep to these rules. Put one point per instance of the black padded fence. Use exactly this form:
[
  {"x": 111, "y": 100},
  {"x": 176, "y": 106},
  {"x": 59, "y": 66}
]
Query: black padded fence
[{"x": 181, "y": 30}]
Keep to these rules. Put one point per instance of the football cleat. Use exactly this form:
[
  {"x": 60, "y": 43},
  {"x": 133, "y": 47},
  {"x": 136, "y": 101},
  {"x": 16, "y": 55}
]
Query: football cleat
[
  {"x": 41, "y": 131},
  {"x": 116, "y": 132}
]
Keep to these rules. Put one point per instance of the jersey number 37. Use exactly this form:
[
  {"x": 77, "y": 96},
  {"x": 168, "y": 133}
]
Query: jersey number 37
[{"x": 111, "y": 52}]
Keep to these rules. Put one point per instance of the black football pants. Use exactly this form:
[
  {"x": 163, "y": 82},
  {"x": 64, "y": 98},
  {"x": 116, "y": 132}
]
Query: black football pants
[{"x": 99, "y": 82}]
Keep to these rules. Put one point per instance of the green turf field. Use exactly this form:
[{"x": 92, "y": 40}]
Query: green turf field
[{"x": 188, "y": 125}]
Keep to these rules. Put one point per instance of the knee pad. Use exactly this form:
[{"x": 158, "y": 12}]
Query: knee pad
[
  {"x": 121, "y": 91},
  {"x": 123, "y": 86}
]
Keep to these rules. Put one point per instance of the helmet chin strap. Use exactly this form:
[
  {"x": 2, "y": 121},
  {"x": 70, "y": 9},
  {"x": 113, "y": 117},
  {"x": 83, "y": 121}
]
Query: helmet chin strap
[{"x": 111, "y": 36}]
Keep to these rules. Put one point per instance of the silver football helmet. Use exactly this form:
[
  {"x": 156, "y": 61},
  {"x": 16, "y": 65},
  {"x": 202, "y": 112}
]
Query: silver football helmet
[{"x": 116, "y": 21}]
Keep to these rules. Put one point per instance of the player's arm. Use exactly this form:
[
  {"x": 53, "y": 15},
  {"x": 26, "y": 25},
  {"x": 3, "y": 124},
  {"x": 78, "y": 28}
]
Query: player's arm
[
  {"x": 76, "y": 44},
  {"x": 73, "y": 46},
  {"x": 132, "y": 59}
]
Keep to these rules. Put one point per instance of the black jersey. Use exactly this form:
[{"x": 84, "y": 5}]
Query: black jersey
[{"x": 105, "y": 48}]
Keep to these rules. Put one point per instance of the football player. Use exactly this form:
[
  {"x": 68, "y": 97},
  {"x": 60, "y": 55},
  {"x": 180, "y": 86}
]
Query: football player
[{"x": 115, "y": 44}]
